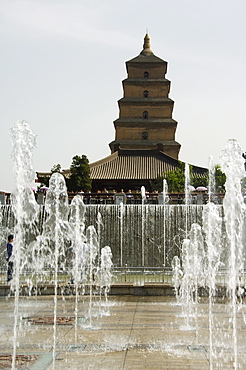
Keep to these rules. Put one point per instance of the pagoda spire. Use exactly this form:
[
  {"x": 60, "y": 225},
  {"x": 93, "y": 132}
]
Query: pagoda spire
[
  {"x": 146, "y": 46},
  {"x": 145, "y": 112}
]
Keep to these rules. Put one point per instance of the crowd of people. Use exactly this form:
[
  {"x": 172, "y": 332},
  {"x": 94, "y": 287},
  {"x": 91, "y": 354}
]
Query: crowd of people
[{"x": 129, "y": 197}]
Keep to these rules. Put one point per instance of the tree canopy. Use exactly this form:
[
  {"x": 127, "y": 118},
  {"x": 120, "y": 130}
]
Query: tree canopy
[
  {"x": 176, "y": 179},
  {"x": 80, "y": 174},
  {"x": 56, "y": 168},
  {"x": 220, "y": 179}
]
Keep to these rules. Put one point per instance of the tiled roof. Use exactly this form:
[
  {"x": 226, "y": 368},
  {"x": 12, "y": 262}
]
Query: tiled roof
[
  {"x": 152, "y": 58},
  {"x": 131, "y": 165}
]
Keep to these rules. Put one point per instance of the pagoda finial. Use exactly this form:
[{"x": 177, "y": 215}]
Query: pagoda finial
[{"x": 146, "y": 46}]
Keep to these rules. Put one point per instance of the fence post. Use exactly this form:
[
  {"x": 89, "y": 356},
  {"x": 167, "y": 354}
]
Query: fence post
[
  {"x": 163, "y": 273},
  {"x": 125, "y": 271}
]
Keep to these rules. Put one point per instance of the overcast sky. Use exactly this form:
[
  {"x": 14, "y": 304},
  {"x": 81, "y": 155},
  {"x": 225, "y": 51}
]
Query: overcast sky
[{"x": 62, "y": 63}]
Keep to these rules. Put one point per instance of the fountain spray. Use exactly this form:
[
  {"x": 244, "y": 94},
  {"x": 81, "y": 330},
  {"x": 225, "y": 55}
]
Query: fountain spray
[
  {"x": 232, "y": 164},
  {"x": 24, "y": 206}
]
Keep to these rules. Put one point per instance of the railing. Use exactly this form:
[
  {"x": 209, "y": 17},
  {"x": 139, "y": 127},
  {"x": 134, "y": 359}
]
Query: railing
[
  {"x": 125, "y": 274},
  {"x": 128, "y": 198},
  {"x": 223, "y": 277},
  {"x": 151, "y": 198},
  {"x": 141, "y": 275}
]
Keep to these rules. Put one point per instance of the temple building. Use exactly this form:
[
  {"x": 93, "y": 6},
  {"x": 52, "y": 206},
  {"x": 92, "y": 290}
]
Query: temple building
[{"x": 144, "y": 146}]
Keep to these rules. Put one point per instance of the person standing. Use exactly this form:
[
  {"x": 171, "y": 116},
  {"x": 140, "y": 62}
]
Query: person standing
[
  {"x": 129, "y": 197},
  {"x": 10, "y": 263},
  {"x": 105, "y": 198}
]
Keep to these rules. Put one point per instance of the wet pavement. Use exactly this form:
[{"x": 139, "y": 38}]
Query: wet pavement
[{"x": 130, "y": 332}]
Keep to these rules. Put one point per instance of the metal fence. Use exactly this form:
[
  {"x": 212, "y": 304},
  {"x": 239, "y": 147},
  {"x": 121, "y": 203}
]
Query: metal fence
[
  {"x": 128, "y": 198},
  {"x": 141, "y": 275},
  {"x": 125, "y": 274}
]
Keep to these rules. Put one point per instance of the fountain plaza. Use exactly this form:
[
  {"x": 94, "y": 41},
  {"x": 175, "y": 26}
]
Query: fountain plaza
[
  {"x": 122, "y": 286},
  {"x": 132, "y": 332}
]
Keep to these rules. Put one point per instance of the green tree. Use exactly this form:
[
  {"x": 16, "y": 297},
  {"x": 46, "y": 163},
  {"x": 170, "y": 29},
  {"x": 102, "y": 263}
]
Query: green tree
[
  {"x": 56, "y": 168},
  {"x": 220, "y": 179},
  {"x": 80, "y": 174},
  {"x": 176, "y": 179}
]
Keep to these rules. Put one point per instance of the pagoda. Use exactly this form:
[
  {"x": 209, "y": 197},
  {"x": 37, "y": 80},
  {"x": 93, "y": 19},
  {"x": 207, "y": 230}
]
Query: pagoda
[{"x": 145, "y": 112}]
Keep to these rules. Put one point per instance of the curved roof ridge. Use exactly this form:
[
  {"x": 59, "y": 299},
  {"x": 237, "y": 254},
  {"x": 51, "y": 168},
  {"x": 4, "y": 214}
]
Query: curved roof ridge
[{"x": 109, "y": 158}]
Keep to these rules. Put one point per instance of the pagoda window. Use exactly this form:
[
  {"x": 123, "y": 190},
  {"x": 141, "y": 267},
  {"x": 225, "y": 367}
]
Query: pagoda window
[
  {"x": 145, "y": 136},
  {"x": 145, "y": 114},
  {"x": 146, "y": 94},
  {"x": 146, "y": 74}
]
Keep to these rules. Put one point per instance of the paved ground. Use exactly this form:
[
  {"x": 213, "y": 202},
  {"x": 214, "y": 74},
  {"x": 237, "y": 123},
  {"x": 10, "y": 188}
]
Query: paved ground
[{"x": 131, "y": 333}]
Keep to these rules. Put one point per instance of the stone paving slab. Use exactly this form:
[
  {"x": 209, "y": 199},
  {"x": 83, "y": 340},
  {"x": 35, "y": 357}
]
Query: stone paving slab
[{"x": 129, "y": 333}]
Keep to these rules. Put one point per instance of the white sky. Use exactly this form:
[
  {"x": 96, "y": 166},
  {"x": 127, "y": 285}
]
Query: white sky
[{"x": 62, "y": 63}]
